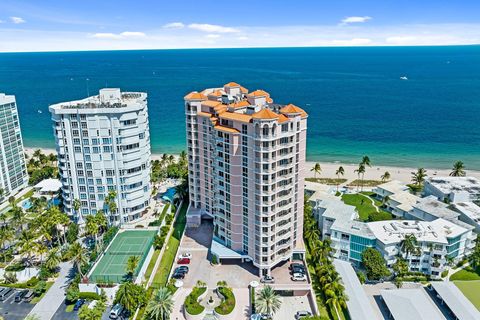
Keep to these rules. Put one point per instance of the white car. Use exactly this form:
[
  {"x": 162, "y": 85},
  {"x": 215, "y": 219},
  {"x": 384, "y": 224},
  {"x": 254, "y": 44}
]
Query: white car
[
  {"x": 299, "y": 277},
  {"x": 185, "y": 255}
]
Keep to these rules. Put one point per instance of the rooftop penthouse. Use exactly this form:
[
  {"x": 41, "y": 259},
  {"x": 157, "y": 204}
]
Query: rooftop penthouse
[{"x": 106, "y": 99}]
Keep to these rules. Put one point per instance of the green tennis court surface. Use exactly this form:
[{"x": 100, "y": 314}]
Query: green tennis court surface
[{"x": 111, "y": 267}]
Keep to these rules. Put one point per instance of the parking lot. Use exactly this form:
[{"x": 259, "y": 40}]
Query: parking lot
[
  {"x": 11, "y": 310},
  {"x": 290, "y": 306}
]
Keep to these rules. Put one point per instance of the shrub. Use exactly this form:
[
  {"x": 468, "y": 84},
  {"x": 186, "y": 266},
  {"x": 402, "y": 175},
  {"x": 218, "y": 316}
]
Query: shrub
[
  {"x": 169, "y": 219},
  {"x": 228, "y": 303},
  {"x": 164, "y": 230},
  {"x": 89, "y": 296},
  {"x": 379, "y": 216},
  {"x": 461, "y": 263},
  {"x": 214, "y": 259},
  {"x": 191, "y": 304},
  {"x": 361, "y": 277},
  {"x": 40, "y": 288},
  {"x": 73, "y": 294},
  {"x": 19, "y": 266},
  {"x": 444, "y": 273},
  {"x": 32, "y": 282},
  {"x": 139, "y": 226},
  {"x": 10, "y": 277}
]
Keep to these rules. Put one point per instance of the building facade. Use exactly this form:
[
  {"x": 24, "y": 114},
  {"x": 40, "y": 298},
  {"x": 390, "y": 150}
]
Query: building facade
[
  {"x": 13, "y": 174},
  {"x": 246, "y": 160},
  {"x": 103, "y": 145}
]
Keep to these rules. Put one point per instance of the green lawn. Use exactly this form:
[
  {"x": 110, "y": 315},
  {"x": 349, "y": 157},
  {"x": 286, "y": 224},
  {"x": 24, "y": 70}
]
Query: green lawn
[
  {"x": 366, "y": 210},
  {"x": 329, "y": 181},
  {"x": 161, "y": 277},
  {"x": 470, "y": 289},
  {"x": 465, "y": 275},
  {"x": 149, "y": 270}
]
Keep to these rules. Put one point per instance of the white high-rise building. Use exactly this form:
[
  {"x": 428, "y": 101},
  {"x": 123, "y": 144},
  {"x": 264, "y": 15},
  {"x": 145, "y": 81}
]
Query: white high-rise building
[
  {"x": 103, "y": 144},
  {"x": 13, "y": 171}
]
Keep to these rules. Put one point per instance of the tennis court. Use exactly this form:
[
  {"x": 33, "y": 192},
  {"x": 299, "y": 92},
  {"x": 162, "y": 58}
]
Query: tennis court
[{"x": 111, "y": 267}]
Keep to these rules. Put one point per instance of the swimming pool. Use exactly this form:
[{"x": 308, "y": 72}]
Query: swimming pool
[
  {"x": 27, "y": 204},
  {"x": 169, "y": 195}
]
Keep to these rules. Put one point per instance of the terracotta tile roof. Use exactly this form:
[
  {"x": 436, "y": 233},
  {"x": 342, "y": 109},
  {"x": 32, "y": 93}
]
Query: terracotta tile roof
[
  {"x": 265, "y": 113},
  {"x": 243, "y": 89},
  {"x": 241, "y": 104},
  {"x": 211, "y": 103},
  {"x": 216, "y": 93},
  {"x": 226, "y": 129},
  {"x": 269, "y": 100},
  {"x": 232, "y": 84},
  {"x": 282, "y": 118},
  {"x": 204, "y": 114},
  {"x": 259, "y": 93},
  {"x": 291, "y": 108},
  {"x": 236, "y": 116},
  {"x": 195, "y": 96}
]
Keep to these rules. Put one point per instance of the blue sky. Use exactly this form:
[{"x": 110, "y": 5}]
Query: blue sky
[{"x": 52, "y": 25}]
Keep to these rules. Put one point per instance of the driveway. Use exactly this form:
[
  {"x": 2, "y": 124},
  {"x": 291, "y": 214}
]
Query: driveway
[
  {"x": 290, "y": 306},
  {"x": 47, "y": 307},
  {"x": 11, "y": 310}
]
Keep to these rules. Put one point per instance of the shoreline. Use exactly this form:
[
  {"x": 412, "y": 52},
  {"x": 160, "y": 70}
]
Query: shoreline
[{"x": 403, "y": 174}]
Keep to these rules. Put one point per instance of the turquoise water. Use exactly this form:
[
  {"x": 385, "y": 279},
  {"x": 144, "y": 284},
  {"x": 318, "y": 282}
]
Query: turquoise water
[{"x": 356, "y": 102}]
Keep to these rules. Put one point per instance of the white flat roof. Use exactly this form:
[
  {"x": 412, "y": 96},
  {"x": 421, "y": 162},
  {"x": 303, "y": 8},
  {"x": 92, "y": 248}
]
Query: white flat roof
[
  {"x": 223, "y": 252},
  {"x": 359, "y": 306},
  {"x": 4, "y": 99},
  {"x": 469, "y": 209},
  {"x": 48, "y": 185},
  {"x": 408, "y": 304},
  {"x": 455, "y": 184},
  {"x": 461, "y": 307},
  {"x": 394, "y": 231},
  {"x": 436, "y": 208},
  {"x": 393, "y": 186},
  {"x": 405, "y": 199}
]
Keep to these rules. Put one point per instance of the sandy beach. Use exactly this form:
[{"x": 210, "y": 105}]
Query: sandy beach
[{"x": 328, "y": 169}]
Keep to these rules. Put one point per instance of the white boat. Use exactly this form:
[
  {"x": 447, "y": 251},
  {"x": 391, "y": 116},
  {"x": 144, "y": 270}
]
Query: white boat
[
  {"x": 403, "y": 78},
  {"x": 39, "y": 111}
]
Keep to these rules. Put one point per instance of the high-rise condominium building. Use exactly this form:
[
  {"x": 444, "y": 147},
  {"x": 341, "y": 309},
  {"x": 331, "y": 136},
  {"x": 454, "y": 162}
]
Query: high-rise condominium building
[
  {"x": 246, "y": 161},
  {"x": 13, "y": 175},
  {"x": 103, "y": 144}
]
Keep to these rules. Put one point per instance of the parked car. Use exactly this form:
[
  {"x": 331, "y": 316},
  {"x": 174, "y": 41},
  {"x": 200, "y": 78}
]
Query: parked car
[
  {"x": 78, "y": 304},
  {"x": 5, "y": 293},
  {"x": 295, "y": 264},
  {"x": 302, "y": 314},
  {"x": 299, "y": 277},
  {"x": 298, "y": 269},
  {"x": 185, "y": 255},
  {"x": 260, "y": 316},
  {"x": 267, "y": 279},
  {"x": 29, "y": 296},
  {"x": 178, "y": 275},
  {"x": 183, "y": 261},
  {"x": 183, "y": 269},
  {"x": 20, "y": 295},
  {"x": 116, "y": 311}
]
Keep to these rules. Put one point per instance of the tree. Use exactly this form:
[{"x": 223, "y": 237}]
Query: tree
[
  {"x": 2, "y": 193},
  {"x": 400, "y": 266},
  {"x": 72, "y": 233},
  {"x": 132, "y": 264},
  {"x": 27, "y": 244},
  {"x": 110, "y": 201},
  {"x": 316, "y": 169},
  {"x": 91, "y": 227},
  {"x": 76, "y": 207},
  {"x": 130, "y": 296},
  {"x": 398, "y": 283},
  {"x": 360, "y": 172},
  {"x": 385, "y": 176},
  {"x": 53, "y": 259},
  {"x": 409, "y": 245},
  {"x": 458, "y": 169},
  {"x": 366, "y": 161},
  {"x": 268, "y": 301},
  {"x": 95, "y": 313},
  {"x": 340, "y": 172},
  {"x": 161, "y": 306},
  {"x": 374, "y": 264},
  {"x": 419, "y": 176},
  {"x": 79, "y": 256},
  {"x": 6, "y": 236}
]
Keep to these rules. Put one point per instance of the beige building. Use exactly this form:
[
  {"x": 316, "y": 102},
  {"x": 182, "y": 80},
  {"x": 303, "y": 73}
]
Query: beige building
[{"x": 246, "y": 162}]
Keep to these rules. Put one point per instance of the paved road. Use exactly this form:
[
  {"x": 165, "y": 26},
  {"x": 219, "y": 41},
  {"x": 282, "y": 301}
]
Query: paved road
[{"x": 47, "y": 307}]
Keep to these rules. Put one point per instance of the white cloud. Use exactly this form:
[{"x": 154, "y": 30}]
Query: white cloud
[
  {"x": 243, "y": 38},
  {"x": 212, "y": 36},
  {"x": 205, "y": 27},
  {"x": 133, "y": 34},
  {"x": 17, "y": 20},
  {"x": 174, "y": 25},
  {"x": 123, "y": 35},
  {"x": 348, "y": 20},
  {"x": 352, "y": 42},
  {"x": 1, "y": 21}
]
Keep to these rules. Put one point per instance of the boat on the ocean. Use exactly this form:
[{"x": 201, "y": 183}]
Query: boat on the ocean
[{"x": 403, "y": 78}]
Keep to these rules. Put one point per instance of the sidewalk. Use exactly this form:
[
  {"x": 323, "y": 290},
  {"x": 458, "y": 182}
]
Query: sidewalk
[{"x": 47, "y": 307}]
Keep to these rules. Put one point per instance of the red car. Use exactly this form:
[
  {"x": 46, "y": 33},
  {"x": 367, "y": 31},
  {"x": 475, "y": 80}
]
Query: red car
[{"x": 183, "y": 261}]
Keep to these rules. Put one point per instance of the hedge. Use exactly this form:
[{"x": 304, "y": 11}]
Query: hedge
[
  {"x": 89, "y": 296},
  {"x": 191, "y": 304},
  {"x": 228, "y": 304}
]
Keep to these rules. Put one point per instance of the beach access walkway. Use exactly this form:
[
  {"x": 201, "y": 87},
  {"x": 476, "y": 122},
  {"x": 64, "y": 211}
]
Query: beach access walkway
[{"x": 46, "y": 308}]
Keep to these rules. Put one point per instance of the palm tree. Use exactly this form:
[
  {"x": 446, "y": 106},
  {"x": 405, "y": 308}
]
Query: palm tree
[
  {"x": 27, "y": 244},
  {"x": 171, "y": 159},
  {"x": 366, "y": 161},
  {"x": 132, "y": 264},
  {"x": 268, "y": 301},
  {"x": 53, "y": 259},
  {"x": 419, "y": 176},
  {"x": 126, "y": 295},
  {"x": 6, "y": 236},
  {"x": 409, "y": 245},
  {"x": 360, "y": 171},
  {"x": 110, "y": 201},
  {"x": 340, "y": 172},
  {"x": 2, "y": 193},
  {"x": 161, "y": 306},
  {"x": 101, "y": 221},
  {"x": 458, "y": 169},
  {"x": 37, "y": 153},
  {"x": 336, "y": 299},
  {"x": 385, "y": 176},
  {"x": 181, "y": 191},
  {"x": 79, "y": 256},
  {"x": 18, "y": 217},
  {"x": 91, "y": 227},
  {"x": 316, "y": 169},
  {"x": 76, "y": 206}
]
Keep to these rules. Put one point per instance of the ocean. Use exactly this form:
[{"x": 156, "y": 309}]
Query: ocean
[{"x": 357, "y": 102}]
